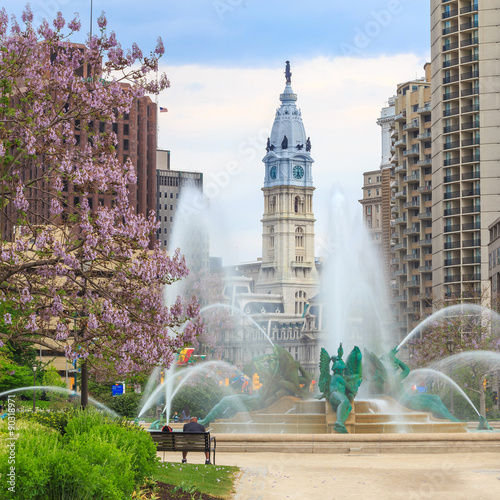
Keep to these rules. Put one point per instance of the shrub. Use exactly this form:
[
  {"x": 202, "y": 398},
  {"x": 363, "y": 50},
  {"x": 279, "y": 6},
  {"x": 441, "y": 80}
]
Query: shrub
[{"x": 200, "y": 398}]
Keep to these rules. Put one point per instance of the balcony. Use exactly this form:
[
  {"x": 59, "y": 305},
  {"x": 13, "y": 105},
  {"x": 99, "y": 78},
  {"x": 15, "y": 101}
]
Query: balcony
[
  {"x": 400, "y": 194},
  {"x": 450, "y": 62},
  {"x": 413, "y": 125},
  {"x": 425, "y": 215},
  {"x": 471, "y": 158},
  {"x": 411, "y": 230},
  {"x": 449, "y": 245},
  {"x": 400, "y": 272},
  {"x": 424, "y": 189},
  {"x": 472, "y": 91},
  {"x": 470, "y": 125},
  {"x": 400, "y": 245},
  {"x": 451, "y": 211},
  {"x": 447, "y": 162},
  {"x": 471, "y": 226},
  {"x": 470, "y": 109},
  {"x": 471, "y": 243},
  {"x": 411, "y": 204},
  {"x": 451, "y": 128},
  {"x": 452, "y": 279},
  {"x": 451, "y": 112},
  {"x": 425, "y": 269},
  {"x": 475, "y": 141},
  {"x": 401, "y": 168},
  {"x": 426, "y": 108},
  {"x": 400, "y": 117},
  {"x": 452, "y": 194},
  {"x": 451, "y": 95},
  {"x": 394, "y": 262},
  {"x": 451, "y": 178},
  {"x": 394, "y": 159},
  {"x": 412, "y": 283},
  {"x": 472, "y": 209},
  {"x": 450, "y": 46},
  {"x": 424, "y": 135},
  {"x": 400, "y": 220},
  {"x": 471, "y": 260},
  {"x": 469, "y": 26},
  {"x": 471, "y": 58},
  {"x": 450, "y": 29},
  {"x": 471, "y": 175},
  {"x": 425, "y": 162},
  {"x": 426, "y": 242},
  {"x": 415, "y": 151},
  {"x": 451, "y": 13},
  {"x": 469, "y": 75},
  {"x": 401, "y": 142},
  {"x": 471, "y": 192},
  {"x": 452, "y": 228},
  {"x": 411, "y": 257},
  {"x": 400, "y": 298},
  {"x": 471, "y": 277},
  {"x": 469, "y": 8},
  {"x": 451, "y": 262},
  {"x": 412, "y": 177},
  {"x": 451, "y": 79},
  {"x": 451, "y": 145},
  {"x": 469, "y": 41}
]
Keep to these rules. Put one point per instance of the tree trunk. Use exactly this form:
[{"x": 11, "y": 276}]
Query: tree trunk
[{"x": 84, "y": 385}]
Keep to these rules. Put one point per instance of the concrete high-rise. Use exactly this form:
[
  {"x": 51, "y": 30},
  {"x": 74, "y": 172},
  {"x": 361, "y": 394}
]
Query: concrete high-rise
[
  {"x": 411, "y": 262},
  {"x": 465, "y": 151}
]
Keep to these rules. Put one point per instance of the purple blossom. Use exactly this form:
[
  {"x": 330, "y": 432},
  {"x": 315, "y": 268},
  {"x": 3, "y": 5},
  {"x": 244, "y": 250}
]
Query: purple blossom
[
  {"x": 7, "y": 319},
  {"x": 101, "y": 20}
]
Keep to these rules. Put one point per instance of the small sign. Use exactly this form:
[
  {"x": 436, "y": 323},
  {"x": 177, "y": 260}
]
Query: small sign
[{"x": 117, "y": 389}]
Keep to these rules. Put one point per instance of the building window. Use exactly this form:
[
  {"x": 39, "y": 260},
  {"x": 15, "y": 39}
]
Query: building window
[
  {"x": 298, "y": 205},
  {"x": 299, "y": 237},
  {"x": 125, "y": 144}
]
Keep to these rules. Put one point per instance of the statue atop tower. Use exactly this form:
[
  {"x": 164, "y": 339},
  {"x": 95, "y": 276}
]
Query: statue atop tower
[{"x": 288, "y": 73}]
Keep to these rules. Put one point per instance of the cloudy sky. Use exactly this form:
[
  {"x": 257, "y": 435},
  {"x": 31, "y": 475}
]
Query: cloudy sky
[{"x": 225, "y": 60}]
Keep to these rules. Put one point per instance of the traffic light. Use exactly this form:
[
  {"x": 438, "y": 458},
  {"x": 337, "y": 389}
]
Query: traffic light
[{"x": 256, "y": 385}]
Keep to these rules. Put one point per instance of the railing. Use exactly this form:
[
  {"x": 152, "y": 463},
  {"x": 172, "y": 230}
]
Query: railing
[
  {"x": 425, "y": 109},
  {"x": 471, "y": 158},
  {"x": 471, "y": 260},
  {"x": 451, "y": 145},
  {"x": 426, "y": 242},
  {"x": 451, "y": 62},
  {"x": 450, "y": 46},
  {"x": 469, "y": 74},
  {"x": 411, "y": 230},
  {"x": 453, "y": 194},
  {"x": 472, "y": 91},
  {"x": 471, "y": 277},
  {"x": 451, "y": 128},
  {"x": 473, "y": 124},
  {"x": 451, "y": 79},
  {"x": 425, "y": 269},
  {"x": 400, "y": 245},
  {"x": 424, "y": 135},
  {"x": 412, "y": 152},
  {"x": 472, "y": 209},
  {"x": 413, "y": 177},
  {"x": 452, "y": 279},
  {"x": 412, "y": 124},
  {"x": 452, "y": 228},
  {"x": 471, "y": 58},
  {"x": 471, "y": 142},
  {"x": 425, "y": 215},
  {"x": 451, "y": 178},
  {"x": 468, "y": 26},
  {"x": 469, "y": 41},
  {"x": 450, "y": 13},
  {"x": 452, "y": 262},
  {"x": 451, "y": 211},
  {"x": 448, "y": 245},
  {"x": 471, "y": 225},
  {"x": 471, "y": 243},
  {"x": 451, "y": 95},
  {"x": 414, "y": 203},
  {"x": 471, "y": 192},
  {"x": 469, "y": 109},
  {"x": 469, "y": 8},
  {"x": 412, "y": 283},
  {"x": 450, "y": 29},
  {"x": 424, "y": 189},
  {"x": 451, "y": 161}
]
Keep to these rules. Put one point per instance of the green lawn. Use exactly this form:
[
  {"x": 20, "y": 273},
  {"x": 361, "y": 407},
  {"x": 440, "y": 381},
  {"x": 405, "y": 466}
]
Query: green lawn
[{"x": 215, "y": 480}]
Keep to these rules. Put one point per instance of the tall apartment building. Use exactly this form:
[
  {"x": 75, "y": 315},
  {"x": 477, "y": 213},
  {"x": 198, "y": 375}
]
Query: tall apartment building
[
  {"x": 169, "y": 187},
  {"x": 411, "y": 262},
  {"x": 465, "y": 136}
]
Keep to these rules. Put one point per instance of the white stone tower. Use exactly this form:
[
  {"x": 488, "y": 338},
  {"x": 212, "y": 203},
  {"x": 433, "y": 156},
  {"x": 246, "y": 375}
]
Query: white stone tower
[{"x": 288, "y": 264}]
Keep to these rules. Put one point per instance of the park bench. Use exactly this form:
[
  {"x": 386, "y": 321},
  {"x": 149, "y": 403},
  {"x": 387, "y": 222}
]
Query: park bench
[{"x": 184, "y": 441}]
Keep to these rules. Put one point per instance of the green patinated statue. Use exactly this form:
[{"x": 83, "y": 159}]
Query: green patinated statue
[
  {"x": 281, "y": 376},
  {"x": 340, "y": 387},
  {"x": 419, "y": 402}
]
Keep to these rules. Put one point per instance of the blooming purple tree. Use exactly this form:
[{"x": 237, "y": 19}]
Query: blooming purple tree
[
  {"x": 466, "y": 328},
  {"x": 88, "y": 282}
]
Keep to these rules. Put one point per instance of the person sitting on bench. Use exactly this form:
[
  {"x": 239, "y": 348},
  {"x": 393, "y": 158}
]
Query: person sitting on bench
[{"x": 194, "y": 426}]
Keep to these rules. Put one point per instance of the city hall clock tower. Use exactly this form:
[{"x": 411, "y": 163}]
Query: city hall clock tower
[{"x": 288, "y": 264}]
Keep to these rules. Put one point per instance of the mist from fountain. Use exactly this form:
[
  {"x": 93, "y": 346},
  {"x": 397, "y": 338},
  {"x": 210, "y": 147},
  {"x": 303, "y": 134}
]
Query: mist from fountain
[
  {"x": 63, "y": 390},
  {"x": 419, "y": 372}
]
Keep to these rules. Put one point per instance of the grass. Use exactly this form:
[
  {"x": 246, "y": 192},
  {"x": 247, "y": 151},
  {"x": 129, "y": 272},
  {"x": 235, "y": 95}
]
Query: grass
[{"x": 214, "y": 480}]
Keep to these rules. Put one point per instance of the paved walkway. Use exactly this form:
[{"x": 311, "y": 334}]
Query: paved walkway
[{"x": 281, "y": 476}]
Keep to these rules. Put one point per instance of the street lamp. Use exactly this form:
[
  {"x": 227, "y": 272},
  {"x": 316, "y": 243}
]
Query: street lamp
[
  {"x": 450, "y": 345},
  {"x": 34, "y": 390}
]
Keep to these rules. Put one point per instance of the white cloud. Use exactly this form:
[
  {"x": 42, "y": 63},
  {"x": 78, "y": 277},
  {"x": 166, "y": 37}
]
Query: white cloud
[{"x": 219, "y": 119}]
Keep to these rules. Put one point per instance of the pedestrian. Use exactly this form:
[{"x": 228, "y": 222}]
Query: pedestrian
[
  {"x": 186, "y": 414},
  {"x": 194, "y": 426}
]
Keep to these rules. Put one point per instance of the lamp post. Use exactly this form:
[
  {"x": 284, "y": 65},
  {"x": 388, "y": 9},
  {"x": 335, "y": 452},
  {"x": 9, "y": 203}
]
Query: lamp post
[
  {"x": 450, "y": 345},
  {"x": 34, "y": 390}
]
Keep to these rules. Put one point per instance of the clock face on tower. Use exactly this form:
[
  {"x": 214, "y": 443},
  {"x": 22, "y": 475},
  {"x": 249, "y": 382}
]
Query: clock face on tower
[
  {"x": 298, "y": 172},
  {"x": 273, "y": 172}
]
